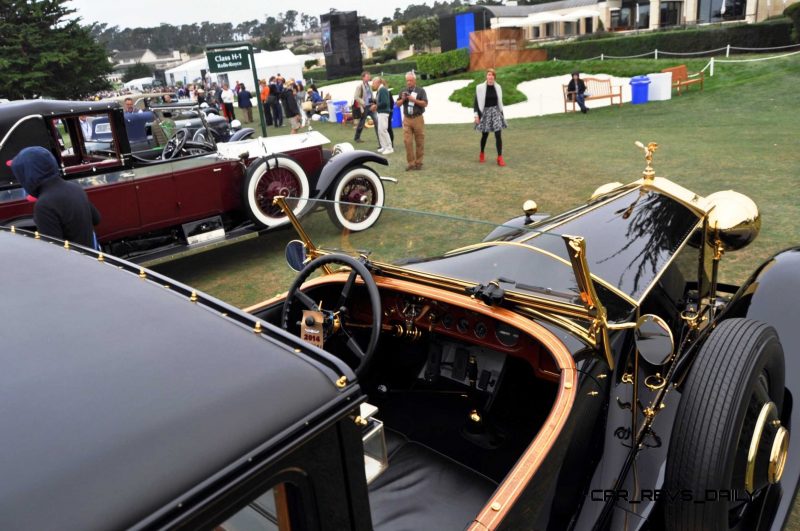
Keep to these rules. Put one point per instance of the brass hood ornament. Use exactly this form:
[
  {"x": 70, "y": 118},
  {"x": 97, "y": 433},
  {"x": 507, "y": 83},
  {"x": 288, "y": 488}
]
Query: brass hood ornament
[{"x": 649, "y": 173}]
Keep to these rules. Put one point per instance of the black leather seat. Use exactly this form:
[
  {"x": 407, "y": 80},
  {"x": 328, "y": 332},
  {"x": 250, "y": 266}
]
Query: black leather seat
[{"x": 425, "y": 490}]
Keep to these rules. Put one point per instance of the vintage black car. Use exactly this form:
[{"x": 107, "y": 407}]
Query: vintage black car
[
  {"x": 165, "y": 189},
  {"x": 578, "y": 371}
]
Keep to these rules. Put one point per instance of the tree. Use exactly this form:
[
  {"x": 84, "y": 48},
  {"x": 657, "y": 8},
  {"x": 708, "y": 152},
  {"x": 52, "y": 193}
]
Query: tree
[
  {"x": 367, "y": 24},
  {"x": 44, "y": 53},
  {"x": 271, "y": 43},
  {"x": 422, "y": 32},
  {"x": 397, "y": 44},
  {"x": 289, "y": 20},
  {"x": 137, "y": 71}
]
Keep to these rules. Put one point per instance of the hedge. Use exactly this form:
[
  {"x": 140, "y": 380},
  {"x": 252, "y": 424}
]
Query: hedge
[
  {"x": 441, "y": 64},
  {"x": 793, "y": 12},
  {"x": 764, "y": 35},
  {"x": 395, "y": 67}
]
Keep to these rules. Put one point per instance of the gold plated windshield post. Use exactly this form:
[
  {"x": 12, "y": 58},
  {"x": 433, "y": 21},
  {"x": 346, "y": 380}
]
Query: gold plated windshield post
[
  {"x": 301, "y": 232},
  {"x": 576, "y": 248},
  {"x": 281, "y": 202}
]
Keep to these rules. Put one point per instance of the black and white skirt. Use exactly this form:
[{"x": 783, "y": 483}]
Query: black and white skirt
[{"x": 492, "y": 120}]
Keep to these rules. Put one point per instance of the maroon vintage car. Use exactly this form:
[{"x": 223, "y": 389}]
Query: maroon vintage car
[{"x": 164, "y": 192}]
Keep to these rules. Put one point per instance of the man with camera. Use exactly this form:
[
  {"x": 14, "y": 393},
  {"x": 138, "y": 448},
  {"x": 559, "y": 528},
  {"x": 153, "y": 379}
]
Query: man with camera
[
  {"x": 367, "y": 104},
  {"x": 413, "y": 101}
]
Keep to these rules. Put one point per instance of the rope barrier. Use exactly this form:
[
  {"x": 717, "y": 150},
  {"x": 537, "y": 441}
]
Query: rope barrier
[
  {"x": 693, "y": 53},
  {"x": 727, "y": 49},
  {"x": 757, "y": 59},
  {"x": 773, "y": 48},
  {"x": 628, "y": 56}
]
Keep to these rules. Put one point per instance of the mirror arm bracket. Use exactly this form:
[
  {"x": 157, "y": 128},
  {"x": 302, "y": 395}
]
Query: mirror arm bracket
[
  {"x": 280, "y": 201},
  {"x": 576, "y": 248}
]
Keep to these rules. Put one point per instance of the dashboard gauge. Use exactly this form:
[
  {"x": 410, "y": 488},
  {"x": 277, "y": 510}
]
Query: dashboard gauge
[
  {"x": 507, "y": 335},
  {"x": 447, "y": 321},
  {"x": 480, "y": 330},
  {"x": 463, "y": 325}
]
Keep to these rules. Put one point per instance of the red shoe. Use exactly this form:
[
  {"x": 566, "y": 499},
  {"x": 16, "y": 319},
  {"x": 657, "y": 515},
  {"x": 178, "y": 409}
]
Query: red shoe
[
  {"x": 482, "y": 158},
  {"x": 500, "y": 161}
]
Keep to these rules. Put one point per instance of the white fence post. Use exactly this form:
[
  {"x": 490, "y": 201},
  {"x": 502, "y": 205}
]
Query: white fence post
[
  {"x": 656, "y": 53},
  {"x": 727, "y": 51},
  {"x": 711, "y": 68},
  {"x": 601, "y": 56}
]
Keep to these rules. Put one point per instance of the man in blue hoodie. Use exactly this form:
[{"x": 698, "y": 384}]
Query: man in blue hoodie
[{"x": 62, "y": 208}]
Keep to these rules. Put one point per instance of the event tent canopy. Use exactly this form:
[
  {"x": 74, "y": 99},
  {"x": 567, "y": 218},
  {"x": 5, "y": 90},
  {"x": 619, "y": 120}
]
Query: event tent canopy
[{"x": 268, "y": 64}]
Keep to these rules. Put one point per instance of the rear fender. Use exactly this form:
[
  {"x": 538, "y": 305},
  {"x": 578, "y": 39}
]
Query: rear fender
[{"x": 336, "y": 165}]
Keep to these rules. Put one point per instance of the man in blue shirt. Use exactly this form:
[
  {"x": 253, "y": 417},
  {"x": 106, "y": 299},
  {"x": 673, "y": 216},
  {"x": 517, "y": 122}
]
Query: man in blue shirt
[{"x": 245, "y": 101}]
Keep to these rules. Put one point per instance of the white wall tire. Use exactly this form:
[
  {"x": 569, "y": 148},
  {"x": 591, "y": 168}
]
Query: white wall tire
[
  {"x": 359, "y": 185},
  {"x": 267, "y": 178}
]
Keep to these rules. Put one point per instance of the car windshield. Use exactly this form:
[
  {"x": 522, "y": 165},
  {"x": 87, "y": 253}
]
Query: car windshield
[{"x": 630, "y": 239}]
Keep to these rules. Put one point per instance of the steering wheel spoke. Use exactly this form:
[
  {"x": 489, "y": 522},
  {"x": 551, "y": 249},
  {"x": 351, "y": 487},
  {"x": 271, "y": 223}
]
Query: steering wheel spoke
[
  {"x": 352, "y": 344},
  {"x": 307, "y": 301},
  {"x": 348, "y": 286}
]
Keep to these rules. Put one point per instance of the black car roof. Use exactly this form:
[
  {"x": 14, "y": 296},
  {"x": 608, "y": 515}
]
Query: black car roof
[
  {"x": 117, "y": 395},
  {"x": 14, "y": 110}
]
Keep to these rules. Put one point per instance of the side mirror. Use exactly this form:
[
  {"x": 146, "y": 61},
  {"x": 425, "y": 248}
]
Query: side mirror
[
  {"x": 296, "y": 255},
  {"x": 653, "y": 339}
]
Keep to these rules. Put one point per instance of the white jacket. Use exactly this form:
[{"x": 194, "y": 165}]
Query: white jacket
[{"x": 480, "y": 95}]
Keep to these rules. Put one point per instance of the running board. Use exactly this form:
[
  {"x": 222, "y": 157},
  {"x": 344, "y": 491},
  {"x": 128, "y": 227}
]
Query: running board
[{"x": 175, "y": 252}]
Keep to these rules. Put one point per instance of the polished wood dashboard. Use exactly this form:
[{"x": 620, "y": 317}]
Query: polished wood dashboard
[{"x": 414, "y": 317}]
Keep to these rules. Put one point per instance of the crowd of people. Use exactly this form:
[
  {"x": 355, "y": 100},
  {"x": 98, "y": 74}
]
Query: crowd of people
[
  {"x": 290, "y": 102},
  {"x": 372, "y": 100}
]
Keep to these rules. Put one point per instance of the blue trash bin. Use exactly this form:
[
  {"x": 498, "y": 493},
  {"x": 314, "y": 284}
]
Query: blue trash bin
[
  {"x": 397, "y": 118},
  {"x": 639, "y": 89},
  {"x": 338, "y": 109}
]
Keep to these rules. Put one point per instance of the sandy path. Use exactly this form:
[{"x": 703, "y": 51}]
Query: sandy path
[{"x": 545, "y": 96}]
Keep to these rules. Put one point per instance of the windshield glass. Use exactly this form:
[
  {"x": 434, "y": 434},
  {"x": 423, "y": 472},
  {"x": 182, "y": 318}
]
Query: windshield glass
[
  {"x": 630, "y": 239},
  {"x": 473, "y": 251}
]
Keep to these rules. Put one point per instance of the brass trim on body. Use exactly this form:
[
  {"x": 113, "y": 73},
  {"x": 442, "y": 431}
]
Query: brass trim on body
[{"x": 630, "y": 300}]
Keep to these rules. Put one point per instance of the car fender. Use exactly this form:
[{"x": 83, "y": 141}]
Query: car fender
[
  {"x": 770, "y": 295},
  {"x": 336, "y": 165},
  {"x": 242, "y": 134}
]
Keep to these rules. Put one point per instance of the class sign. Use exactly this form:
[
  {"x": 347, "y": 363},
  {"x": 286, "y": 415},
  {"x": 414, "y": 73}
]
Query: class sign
[{"x": 228, "y": 60}]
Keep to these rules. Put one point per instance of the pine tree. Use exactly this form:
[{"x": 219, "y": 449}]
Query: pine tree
[{"x": 44, "y": 53}]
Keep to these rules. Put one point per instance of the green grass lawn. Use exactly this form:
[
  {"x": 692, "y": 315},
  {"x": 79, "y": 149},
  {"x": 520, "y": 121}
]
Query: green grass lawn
[{"x": 741, "y": 133}]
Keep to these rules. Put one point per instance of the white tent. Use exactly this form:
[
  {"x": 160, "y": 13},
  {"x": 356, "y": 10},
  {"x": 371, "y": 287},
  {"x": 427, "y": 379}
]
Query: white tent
[
  {"x": 139, "y": 84},
  {"x": 268, "y": 64}
]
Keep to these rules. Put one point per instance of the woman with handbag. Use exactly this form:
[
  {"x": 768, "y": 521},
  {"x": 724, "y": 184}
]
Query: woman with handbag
[{"x": 488, "y": 107}]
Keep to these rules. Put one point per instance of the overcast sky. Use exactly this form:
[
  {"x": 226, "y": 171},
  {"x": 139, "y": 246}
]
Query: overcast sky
[{"x": 149, "y": 13}]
